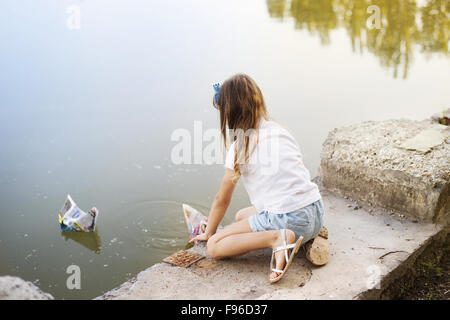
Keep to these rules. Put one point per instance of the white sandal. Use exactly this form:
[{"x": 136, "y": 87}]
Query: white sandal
[{"x": 294, "y": 246}]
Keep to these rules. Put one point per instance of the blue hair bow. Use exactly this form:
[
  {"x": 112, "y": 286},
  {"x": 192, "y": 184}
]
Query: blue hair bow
[{"x": 217, "y": 90}]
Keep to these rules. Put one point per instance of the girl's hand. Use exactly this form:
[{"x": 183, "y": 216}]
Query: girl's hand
[
  {"x": 201, "y": 237},
  {"x": 220, "y": 205}
]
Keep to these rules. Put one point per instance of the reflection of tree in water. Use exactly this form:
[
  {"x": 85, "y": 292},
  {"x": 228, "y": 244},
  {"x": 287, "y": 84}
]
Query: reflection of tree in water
[
  {"x": 435, "y": 21},
  {"x": 392, "y": 44},
  {"x": 317, "y": 16},
  {"x": 404, "y": 24},
  {"x": 276, "y": 8}
]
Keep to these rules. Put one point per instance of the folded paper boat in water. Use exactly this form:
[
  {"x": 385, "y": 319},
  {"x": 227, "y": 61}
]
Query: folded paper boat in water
[
  {"x": 72, "y": 218},
  {"x": 195, "y": 221}
]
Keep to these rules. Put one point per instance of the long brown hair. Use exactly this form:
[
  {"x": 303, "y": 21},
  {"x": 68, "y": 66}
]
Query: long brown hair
[{"x": 241, "y": 105}]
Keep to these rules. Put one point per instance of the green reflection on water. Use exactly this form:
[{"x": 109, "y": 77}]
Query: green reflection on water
[
  {"x": 90, "y": 240},
  {"x": 404, "y": 24}
]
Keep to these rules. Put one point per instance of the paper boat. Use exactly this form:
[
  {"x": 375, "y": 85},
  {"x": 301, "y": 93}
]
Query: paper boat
[
  {"x": 72, "y": 218},
  {"x": 195, "y": 221}
]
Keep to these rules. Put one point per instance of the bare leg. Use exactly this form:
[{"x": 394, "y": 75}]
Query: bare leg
[{"x": 238, "y": 239}]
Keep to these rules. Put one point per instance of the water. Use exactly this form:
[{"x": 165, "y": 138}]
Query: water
[{"x": 90, "y": 111}]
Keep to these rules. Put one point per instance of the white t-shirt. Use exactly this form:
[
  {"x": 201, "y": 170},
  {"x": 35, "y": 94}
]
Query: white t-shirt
[{"x": 275, "y": 178}]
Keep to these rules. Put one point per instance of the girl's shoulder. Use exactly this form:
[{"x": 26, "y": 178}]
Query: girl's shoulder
[{"x": 272, "y": 128}]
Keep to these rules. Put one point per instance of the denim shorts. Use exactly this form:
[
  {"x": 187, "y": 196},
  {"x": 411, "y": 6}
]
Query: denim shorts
[{"x": 305, "y": 222}]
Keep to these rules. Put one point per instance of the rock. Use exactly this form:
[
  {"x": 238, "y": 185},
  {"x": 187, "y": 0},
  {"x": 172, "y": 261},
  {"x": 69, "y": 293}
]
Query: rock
[
  {"x": 323, "y": 233},
  {"x": 369, "y": 162},
  {"x": 317, "y": 251},
  {"x": 14, "y": 288}
]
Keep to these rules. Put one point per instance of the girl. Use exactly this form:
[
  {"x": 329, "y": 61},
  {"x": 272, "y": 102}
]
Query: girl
[{"x": 286, "y": 206}]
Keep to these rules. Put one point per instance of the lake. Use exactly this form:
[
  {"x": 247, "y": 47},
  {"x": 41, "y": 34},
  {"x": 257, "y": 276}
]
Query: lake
[{"x": 93, "y": 91}]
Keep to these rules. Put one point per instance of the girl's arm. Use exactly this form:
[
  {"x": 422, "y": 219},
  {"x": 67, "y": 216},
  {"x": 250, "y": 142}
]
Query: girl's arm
[{"x": 219, "y": 207}]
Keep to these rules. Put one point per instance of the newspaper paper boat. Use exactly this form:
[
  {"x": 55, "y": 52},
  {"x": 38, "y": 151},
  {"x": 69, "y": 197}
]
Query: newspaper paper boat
[
  {"x": 195, "y": 221},
  {"x": 72, "y": 218}
]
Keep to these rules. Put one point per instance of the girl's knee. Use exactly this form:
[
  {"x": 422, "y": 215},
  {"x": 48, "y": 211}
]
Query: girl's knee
[
  {"x": 239, "y": 215},
  {"x": 242, "y": 214},
  {"x": 211, "y": 246},
  {"x": 245, "y": 213}
]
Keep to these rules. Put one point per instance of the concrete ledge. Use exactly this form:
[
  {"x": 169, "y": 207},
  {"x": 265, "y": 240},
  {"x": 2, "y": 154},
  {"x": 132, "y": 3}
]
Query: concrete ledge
[
  {"x": 399, "y": 280},
  {"x": 368, "y": 247},
  {"x": 399, "y": 165}
]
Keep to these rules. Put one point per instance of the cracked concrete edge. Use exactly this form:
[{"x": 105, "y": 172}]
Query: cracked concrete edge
[
  {"x": 395, "y": 277},
  {"x": 128, "y": 285}
]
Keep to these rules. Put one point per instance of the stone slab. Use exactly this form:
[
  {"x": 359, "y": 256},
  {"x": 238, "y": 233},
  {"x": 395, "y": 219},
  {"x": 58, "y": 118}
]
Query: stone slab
[
  {"x": 366, "y": 162},
  {"x": 427, "y": 139}
]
